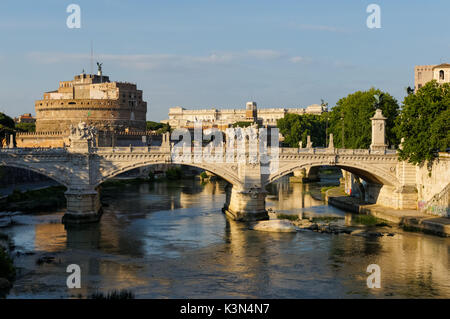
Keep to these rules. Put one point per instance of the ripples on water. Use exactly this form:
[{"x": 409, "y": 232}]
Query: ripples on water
[{"x": 171, "y": 240}]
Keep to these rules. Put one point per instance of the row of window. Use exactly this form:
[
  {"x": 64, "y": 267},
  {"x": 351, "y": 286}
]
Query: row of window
[
  {"x": 72, "y": 103},
  {"x": 131, "y": 96},
  {"x": 441, "y": 75}
]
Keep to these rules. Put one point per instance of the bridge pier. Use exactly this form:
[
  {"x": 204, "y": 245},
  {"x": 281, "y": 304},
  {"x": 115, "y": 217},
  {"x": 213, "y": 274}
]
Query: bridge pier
[
  {"x": 245, "y": 204},
  {"x": 83, "y": 206},
  {"x": 402, "y": 197}
]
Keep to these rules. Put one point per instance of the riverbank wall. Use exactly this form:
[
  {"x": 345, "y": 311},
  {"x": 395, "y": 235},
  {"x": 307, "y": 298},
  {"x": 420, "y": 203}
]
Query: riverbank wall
[
  {"x": 433, "y": 187},
  {"x": 413, "y": 220}
]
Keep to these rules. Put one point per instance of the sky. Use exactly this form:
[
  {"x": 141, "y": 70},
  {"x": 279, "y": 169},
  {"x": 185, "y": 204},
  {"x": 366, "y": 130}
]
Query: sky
[{"x": 220, "y": 54}]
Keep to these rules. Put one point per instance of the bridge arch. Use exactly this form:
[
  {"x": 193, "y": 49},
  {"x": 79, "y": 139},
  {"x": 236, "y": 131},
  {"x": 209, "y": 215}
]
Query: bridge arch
[
  {"x": 59, "y": 178},
  {"x": 371, "y": 174},
  {"x": 224, "y": 173}
]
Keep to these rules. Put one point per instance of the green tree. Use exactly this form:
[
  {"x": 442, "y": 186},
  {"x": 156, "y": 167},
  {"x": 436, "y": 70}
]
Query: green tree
[
  {"x": 7, "y": 269},
  {"x": 160, "y": 128},
  {"x": 242, "y": 124},
  {"x": 351, "y": 118},
  {"x": 424, "y": 122},
  {"x": 26, "y": 127},
  {"x": 7, "y": 126},
  {"x": 296, "y": 128}
]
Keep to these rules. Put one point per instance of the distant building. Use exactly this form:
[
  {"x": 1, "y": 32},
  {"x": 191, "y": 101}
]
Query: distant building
[
  {"x": 180, "y": 117},
  {"x": 25, "y": 118},
  {"x": 426, "y": 73}
]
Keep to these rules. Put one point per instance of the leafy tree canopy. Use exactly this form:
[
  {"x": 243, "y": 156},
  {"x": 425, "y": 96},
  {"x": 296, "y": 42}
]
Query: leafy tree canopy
[
  {"x": 6, "y": 121},
  {"x": 242, "y": 124},
  {"x": 424, "y": 122},
  {"x": 354, "y": 113},
  {"x": 296, "y": 128},
  {"x": 6, "y": 125},
  {"x": 160, "y": 128},
  {"x": 26, "y": 127}
]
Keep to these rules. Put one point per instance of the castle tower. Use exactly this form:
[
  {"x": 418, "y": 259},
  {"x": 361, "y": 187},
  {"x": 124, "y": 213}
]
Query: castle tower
[{"x": 95, "y": 100}]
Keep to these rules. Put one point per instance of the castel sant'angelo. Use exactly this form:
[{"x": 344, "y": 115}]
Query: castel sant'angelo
[{"x": 91, "y": 98}]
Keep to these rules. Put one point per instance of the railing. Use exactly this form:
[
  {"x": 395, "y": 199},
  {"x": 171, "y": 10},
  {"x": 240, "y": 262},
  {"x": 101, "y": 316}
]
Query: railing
[
  {"x": 23, "y": 150},
  {"x": 128, "y": 149},
  {"x": 337, "y": 151},
  {"x": 147, "y": 149}
]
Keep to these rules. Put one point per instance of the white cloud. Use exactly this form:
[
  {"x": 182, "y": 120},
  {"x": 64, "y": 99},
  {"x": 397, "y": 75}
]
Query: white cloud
[
  {"x": 55, "y": 57},
  {"x": 168, "y": 61},
  {"x": 265, "y": 54},
  {"x": 297, "y": 59}
]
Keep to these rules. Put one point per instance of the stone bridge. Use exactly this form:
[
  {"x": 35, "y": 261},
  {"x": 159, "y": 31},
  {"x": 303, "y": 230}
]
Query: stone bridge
[
  {"x": 390, "y": 182},
  {"x": 82, "y": 168}
]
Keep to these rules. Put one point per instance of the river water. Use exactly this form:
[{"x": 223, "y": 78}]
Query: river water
[{"x": 171, "y": 240}]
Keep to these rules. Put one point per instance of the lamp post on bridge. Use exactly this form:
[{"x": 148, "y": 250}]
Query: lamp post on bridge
[
  {"x": 343, "y": 137},
  {"x": 325, "y": 105},
  {"x": 378, "y": 127}
]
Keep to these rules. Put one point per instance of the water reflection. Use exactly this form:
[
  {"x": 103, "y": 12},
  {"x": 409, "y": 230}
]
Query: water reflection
[
  {"x": 170, "y": 240},
  {"x": 293, "y": 196}
]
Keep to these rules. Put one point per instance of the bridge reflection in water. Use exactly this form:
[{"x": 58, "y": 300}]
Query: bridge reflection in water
[{"x": 171, "y": 240}]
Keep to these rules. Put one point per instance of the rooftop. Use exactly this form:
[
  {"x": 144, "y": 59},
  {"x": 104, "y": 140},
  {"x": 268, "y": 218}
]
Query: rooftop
[{"x": 443, "y": 65}]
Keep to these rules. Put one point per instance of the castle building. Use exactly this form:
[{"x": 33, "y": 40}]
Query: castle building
[
  {"x": 180, "y": 117},
  {"x": 114, "y": 108},
  {"x": 426, "y": 73},
  {"x": 92, "y": 99}
]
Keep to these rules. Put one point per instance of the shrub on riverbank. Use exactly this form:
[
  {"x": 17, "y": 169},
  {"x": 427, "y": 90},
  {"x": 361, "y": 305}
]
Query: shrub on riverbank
[
  {"x": 174, "y": 173},
  {"x": 326, "y": 219},
  {"x": 324, "y": 189},
  {"x": 46, "y": 199},
  {"x": 7, "y": 269},
  {"x": 123, "y": 182},
  {"x": 288, "y": 217},
  {"x": 329, "y": 171},
  {"x": 368, "y": 220}
]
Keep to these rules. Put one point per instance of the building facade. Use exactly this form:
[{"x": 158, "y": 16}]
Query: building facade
[
  {"x": 425, "y": 73},
  {"x": 25, "y": 118},
  {"x": 92, "y": 99},
  {"x": 116, "y": 109},
  {"x": 180, "y": 117}
]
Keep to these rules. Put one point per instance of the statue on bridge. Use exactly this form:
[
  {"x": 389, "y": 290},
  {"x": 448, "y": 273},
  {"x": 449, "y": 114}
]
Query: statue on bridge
[
  {"x": 378, "y": 100},
  {"x": 83, "y": 132}
]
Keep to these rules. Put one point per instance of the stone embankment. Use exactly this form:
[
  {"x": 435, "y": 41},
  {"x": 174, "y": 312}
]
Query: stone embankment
[{"x": 412, "y": 220}]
